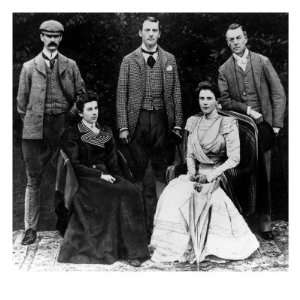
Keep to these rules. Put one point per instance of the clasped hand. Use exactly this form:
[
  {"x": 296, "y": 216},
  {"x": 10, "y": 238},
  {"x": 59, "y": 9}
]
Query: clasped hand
[
  {"x": 201, "y": 178},
  {"x": 108, "y": 178}
]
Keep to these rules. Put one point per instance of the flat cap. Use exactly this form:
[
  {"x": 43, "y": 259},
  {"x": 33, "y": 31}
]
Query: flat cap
[{"x": 52, "y": 26}]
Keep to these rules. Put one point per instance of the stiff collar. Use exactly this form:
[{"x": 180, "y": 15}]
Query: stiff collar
[
  {"x": 90, "y": 137},
  {"x": 146, "y": 55},
  {"x": 49, "y": 54},
  {"x": 90, "y": 126},
  {"x": 243, "y": 58}
]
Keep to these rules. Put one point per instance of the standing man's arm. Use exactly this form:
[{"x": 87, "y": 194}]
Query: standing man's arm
[
  {"x": 23, "y": 92},
  {"x": 177, "y": 100},
  {"x": 79, "y": 89},
  {"x": 122, "y": 99},
  {"x": 229, "y": 103},
  {"x": 277, "y": 95},
  {"x": 79, "y": 82}
]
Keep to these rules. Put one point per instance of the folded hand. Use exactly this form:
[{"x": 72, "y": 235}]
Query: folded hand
[{"x": 108, "y": 178}]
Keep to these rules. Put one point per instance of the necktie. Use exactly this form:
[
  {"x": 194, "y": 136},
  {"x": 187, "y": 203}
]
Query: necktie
[
  {"x": 51, "y": 61},
  {"x": 150, "y": 61}
]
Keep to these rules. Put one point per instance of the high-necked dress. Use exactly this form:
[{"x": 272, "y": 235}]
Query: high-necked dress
[
  {"x": 107, "y": 221},
  {"x": 213, "y": 146}
]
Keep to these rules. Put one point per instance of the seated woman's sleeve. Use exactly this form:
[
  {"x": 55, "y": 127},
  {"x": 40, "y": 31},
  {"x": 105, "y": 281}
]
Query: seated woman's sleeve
[
  {"x": 70, "y": 146},
  {"x": 230, "y": 132},
  {"x": 112, "y": 158},
  {"x": 190, "y": 158}
]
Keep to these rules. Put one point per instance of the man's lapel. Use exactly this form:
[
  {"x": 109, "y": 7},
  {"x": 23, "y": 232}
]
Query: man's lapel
[
  {"x": 40, "y": 64},
  {"x": 62, "y": 63},
  {"x": 257, "y": 69},
  {"x": 163, "y": 62},
  {"x": 232, "y": 76},
  {"x": 142, "y": 67}
]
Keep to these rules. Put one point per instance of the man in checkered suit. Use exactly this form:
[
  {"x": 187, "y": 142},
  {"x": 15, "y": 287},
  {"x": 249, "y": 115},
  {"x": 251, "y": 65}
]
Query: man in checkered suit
[{"x": 149, "y": 106}]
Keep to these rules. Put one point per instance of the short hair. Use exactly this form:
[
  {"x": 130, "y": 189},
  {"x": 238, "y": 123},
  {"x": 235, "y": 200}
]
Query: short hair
[
  {"x": 234, "y": 26},
  {"x": 150, "y": 19},
  {"x": 89, "y": 96},
  {"x": 206, "y": 85}
]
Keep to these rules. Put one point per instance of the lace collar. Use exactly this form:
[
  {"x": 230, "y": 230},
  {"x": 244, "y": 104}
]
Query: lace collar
[{"x": 88, "y": 136}]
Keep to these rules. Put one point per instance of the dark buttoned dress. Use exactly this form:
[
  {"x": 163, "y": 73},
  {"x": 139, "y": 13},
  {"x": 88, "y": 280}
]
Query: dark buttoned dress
[{"x": 107, "y": 222}]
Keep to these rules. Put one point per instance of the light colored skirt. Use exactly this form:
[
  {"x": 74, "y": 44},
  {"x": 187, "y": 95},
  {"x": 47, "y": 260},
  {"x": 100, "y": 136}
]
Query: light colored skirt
[{"x": 226, "y": 234}]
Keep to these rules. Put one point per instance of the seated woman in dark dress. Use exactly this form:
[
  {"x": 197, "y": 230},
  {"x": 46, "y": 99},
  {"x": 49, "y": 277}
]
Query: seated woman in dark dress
[{"x": 107, "y": 221}]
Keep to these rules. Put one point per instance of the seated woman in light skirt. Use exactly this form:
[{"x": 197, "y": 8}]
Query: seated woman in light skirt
[{"x": 193, "y": 213}]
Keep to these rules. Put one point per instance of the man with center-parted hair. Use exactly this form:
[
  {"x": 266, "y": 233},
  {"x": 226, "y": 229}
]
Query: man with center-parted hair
[
  {"x": 148, "y": 104},
  {"x": 249, "y": 84},
  {"x": 48, "y": 87}
]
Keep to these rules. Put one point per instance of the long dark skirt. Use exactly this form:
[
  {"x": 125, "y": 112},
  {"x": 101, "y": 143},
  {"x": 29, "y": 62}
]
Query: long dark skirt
[{"x": 107, "y": 224}]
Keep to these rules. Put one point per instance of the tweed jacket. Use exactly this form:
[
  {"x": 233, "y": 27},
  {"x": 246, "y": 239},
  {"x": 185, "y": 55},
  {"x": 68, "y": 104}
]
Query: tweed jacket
[
  {"x": 269, "y": 88},
  {"x": 132, "y": 85},
  {"x": 32, "y": 91}
]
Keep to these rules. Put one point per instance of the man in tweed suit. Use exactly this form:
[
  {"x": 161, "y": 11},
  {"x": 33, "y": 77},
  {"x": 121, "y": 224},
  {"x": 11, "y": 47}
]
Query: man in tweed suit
[
  {"x": 48, "y": 86},
  {"x": 149, "y": 103},
  {"x": 249, "y": 84}
]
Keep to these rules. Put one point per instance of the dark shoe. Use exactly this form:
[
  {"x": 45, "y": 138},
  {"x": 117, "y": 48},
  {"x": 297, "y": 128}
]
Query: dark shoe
[
  {"x": 29, "y": 237},
  {"x": 134, "y": 262},
  {"x": 267, "y": 235}
]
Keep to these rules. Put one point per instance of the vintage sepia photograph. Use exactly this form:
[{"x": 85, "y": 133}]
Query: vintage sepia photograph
[{"x": 150, "y": 141}]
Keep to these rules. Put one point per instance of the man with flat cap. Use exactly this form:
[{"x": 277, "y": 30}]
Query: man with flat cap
[{"x": 48, "y": 87}]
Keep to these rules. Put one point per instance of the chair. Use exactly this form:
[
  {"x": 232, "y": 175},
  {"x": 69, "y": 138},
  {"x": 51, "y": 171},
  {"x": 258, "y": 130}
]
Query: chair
[{"x": 240, "y": 182}]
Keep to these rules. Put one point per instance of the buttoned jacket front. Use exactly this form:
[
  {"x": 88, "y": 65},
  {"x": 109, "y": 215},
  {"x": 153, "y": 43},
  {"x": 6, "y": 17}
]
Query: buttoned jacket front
[
  {"x": 32, "y": 91},
  {"x": 132, "y": 86}
]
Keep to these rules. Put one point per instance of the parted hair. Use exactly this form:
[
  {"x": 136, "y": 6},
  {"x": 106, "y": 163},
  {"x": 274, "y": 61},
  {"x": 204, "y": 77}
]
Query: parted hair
[
  {"x": 89, "y": 96},
  {"x": 234, "y": 26},
  {"x": 150, "y": 19},
  {"x": 206, "y": 85}
]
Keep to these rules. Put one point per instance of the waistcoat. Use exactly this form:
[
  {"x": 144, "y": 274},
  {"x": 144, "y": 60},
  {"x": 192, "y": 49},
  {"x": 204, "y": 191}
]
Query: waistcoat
[
  {"x": 247, "y": 87},
  {"x": 153, "y": 99},
  {"x": 56, "y": 102}
]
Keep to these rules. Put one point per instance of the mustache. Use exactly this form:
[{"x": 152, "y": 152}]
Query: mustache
[{"x": 52, "y": 44}]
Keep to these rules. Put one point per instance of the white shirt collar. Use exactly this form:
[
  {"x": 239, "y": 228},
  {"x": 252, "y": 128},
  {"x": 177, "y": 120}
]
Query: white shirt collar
[
  {"x": 49, "y": 54},
  {"x": 242, "y": 60},
  {"x": 146, "y": 55}
]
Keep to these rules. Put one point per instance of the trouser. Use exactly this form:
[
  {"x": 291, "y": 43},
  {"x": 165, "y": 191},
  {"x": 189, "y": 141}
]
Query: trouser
[
  {"x": 264, "y": 198},
  {"x": 149, "y": 143},
  {"x": 149, "y": 146},
  {"x": 36, "y": 155},
  {"x": 265, "y": 215}
]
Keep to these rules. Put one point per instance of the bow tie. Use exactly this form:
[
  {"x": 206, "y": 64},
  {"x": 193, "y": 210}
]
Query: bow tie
[
  {"x": 51, "y": 60},
  {"x": 148, "y": 52}
]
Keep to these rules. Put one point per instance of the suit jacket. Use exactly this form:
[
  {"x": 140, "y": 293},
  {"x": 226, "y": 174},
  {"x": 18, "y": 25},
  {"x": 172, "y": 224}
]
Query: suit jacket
[
  {"x": 32, "y": 91},
  {"x": 131, "y": 89},
  {"x": 269, "y": 88}
]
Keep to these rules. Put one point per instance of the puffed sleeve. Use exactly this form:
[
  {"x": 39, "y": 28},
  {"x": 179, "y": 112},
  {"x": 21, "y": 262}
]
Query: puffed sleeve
[
  {"x": 230, "y": 132},
  {"x": 190, "y": 158},
  {"x": 70, "y": 145}
]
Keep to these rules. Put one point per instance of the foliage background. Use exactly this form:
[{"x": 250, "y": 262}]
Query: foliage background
[{"x": 98, "y": 42}]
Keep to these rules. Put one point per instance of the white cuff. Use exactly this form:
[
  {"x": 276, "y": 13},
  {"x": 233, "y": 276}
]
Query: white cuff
[{"x": 249, "y": 110}]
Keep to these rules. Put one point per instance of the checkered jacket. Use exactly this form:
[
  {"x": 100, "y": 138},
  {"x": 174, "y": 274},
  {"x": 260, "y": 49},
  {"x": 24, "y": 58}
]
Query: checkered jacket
[{"x": 132, "y": 86}]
